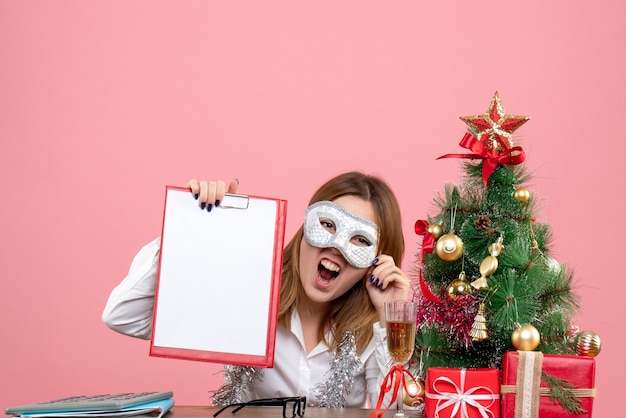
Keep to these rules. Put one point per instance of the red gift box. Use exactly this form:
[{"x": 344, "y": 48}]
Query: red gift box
[
  {"x": 526, "y": 395},
  {"x": 462, "y": 393}
]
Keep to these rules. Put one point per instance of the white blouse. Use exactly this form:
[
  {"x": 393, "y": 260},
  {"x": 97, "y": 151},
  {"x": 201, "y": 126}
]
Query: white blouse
[{"x": 295, "y": 373}]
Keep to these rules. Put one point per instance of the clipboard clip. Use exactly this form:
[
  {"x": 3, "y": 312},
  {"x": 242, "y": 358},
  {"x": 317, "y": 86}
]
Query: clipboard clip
[{"x": 235, "y": 201}]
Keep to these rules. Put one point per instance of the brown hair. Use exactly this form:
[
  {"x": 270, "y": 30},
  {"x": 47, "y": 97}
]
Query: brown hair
[{"x": 353, "y": 311}]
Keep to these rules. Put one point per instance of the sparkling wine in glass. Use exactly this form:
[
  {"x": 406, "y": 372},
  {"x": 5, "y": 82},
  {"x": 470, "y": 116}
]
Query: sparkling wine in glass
[{"x": 400, "y": 317}]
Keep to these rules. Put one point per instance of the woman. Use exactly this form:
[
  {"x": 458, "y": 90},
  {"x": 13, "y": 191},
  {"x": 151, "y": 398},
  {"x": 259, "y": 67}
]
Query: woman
[{"x": 338, "y": 270}]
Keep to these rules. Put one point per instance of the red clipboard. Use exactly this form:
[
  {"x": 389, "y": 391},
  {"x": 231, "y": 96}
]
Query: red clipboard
[{"x": 218, "y": 286}]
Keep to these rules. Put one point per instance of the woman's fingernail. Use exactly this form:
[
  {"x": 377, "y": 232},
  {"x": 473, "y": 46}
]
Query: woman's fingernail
[
  {"x": 196, "y": 196},
  {"x": 375, "y": 261},
  {"x": 208, "y": 208},
  {"x": 372, "y": 278},
  {"x": 203, "y": 205},
  {"x": 217, "y": 203},
  {"x": 381, "y": 286},
  {"x": 376, "y": 282},
  {"x": 237, "y": 180}
]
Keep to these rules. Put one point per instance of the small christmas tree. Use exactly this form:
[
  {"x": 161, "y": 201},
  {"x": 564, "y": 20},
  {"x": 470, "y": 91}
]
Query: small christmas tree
[{"x": 487, "y": 281}]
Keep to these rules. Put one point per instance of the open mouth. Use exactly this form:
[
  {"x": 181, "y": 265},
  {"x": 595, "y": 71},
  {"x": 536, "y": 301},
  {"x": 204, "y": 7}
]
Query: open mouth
[{"x": 328, "y": 270}]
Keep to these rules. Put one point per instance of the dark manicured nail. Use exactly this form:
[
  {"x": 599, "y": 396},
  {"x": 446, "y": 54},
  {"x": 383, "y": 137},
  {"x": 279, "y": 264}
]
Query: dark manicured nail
[
  {"x": 375, "y": 261},
  {"x": 203, "y": 205},
  {"x": 217, "y": 203},
  {"x": 372, "y": 278},
  {"x": 376, "y": 282},
  {"x": 208, "y": 208},
  {"x": 381, "y": 286},
  {"x": 196, "y": 196}
]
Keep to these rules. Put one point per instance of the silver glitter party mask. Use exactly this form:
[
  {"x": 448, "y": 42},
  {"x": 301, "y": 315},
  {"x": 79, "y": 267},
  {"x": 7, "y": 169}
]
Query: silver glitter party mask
[{"x": 347, "y": 226}]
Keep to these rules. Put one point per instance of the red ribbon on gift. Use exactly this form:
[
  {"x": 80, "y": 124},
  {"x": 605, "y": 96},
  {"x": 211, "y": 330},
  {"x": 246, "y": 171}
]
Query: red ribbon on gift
[
  {"x": 428, "y": 245},
  {"x": 391, "y": 382},
  {"x": 510, "y": 156},
  {"x": 461, "y": 399}
]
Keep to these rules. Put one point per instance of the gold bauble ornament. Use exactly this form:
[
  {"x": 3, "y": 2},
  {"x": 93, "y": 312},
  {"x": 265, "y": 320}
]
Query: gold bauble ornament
[
  {"x": 414, "y": 393},
  {"x": 449, "y": 247},
  {"x": 459, "y": 287},
  {"x": 435, "y": 230},
  {"x": 587, "y": 344},
  {"x": 525, "y": 337},
  {"x": 522, "y": 195}
]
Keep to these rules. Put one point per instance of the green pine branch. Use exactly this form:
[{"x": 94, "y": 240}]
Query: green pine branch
[{"x": 561, "y": 392}]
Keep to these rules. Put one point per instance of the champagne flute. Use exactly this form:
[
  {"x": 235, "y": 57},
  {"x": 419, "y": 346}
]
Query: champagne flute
[{"x": 400, "y": 317}]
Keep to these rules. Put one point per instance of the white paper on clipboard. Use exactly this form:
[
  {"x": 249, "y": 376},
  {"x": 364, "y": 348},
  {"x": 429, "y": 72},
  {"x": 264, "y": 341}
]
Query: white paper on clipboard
[{"x": 219, "y": 279}]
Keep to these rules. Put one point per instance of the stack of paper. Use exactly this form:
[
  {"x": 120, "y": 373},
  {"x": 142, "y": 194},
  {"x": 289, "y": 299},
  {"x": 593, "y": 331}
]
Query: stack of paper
[{"x": 136, "y": 405}]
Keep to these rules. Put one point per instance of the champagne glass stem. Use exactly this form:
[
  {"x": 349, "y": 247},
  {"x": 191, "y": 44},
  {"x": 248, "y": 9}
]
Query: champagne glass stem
[{"x": 400, "y": 401}]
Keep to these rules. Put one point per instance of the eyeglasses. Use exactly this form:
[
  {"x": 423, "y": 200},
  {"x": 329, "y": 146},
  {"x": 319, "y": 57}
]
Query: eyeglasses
[{"x": 296, "y": 404}]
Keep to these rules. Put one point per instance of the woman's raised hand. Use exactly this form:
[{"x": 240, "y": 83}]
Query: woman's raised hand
[
  {"x": 209, "y": 193},
  {"x": 386, "y": 283}
]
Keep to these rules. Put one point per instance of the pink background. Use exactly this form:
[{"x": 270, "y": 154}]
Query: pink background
[{"x": 103, "y": 103}]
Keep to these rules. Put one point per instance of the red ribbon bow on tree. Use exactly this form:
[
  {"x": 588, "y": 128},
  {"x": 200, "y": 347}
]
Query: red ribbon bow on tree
[
  {"x": 509, "y": 156},
  {"x": 428, "y": 245}
]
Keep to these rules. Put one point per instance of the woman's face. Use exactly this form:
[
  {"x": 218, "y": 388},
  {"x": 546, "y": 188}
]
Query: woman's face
[{"x": 324, "y": 272}]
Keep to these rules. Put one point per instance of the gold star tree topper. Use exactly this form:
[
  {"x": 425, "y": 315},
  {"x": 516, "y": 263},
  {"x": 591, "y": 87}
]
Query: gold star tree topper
[{"x": 494, "y": 128}]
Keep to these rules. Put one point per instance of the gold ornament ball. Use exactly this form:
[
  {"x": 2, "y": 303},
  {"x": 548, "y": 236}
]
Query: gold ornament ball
[
  {"x": 459, "y": 287},
  {"x": 414, "y": 395},
  {"x": 435, "y": 230},
  {"x": 449, "y": 247},
  {"x": 587, "y": 344},
  {"x": 525, "y": 338},
  {"x": 522, "y": 195}
]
